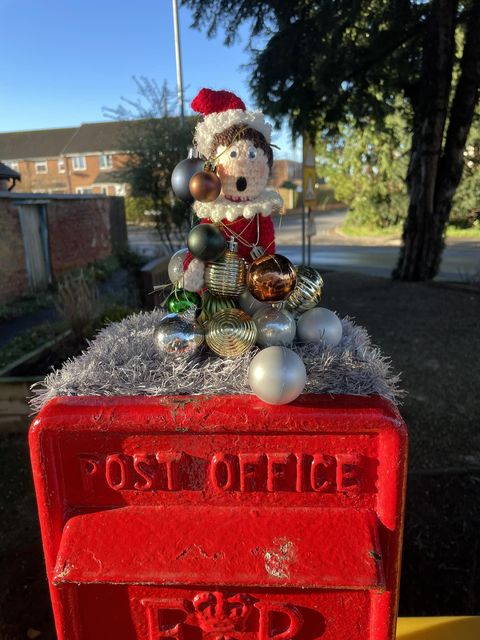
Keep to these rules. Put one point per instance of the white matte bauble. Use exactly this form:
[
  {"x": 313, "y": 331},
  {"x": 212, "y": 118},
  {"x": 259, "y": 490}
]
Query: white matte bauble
[
  {"x": 275, "y": 327},
  {"x": 175, "y": 266},
  {"x": 319, "y": 325},
  {"x": 277, "y": 375},
  {"x": 249, "y": 304}
]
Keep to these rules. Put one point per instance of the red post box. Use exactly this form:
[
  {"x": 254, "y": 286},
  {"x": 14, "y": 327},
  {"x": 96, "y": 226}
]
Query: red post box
[{"x": 221, "y": 517}]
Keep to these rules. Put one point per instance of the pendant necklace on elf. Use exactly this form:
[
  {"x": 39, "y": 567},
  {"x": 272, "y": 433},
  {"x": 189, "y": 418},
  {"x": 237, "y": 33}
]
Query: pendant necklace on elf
[{"x": 255, "y": 249}]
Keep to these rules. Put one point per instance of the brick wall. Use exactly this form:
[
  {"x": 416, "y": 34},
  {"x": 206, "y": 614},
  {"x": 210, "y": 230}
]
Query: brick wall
[
  {"x": 78, "y": 232},
  {"x": 81, "y": 230},
  {"x": 13, "y": 274}
]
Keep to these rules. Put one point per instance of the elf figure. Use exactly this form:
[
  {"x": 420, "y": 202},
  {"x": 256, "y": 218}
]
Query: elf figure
[{"x": 237, "y": 143}]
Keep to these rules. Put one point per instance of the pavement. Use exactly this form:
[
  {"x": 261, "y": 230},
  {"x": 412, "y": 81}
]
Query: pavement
[{"x": 333, "y": 251}]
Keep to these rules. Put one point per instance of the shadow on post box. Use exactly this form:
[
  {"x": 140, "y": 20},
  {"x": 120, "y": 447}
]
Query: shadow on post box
[{"x": 221, "y": 517}]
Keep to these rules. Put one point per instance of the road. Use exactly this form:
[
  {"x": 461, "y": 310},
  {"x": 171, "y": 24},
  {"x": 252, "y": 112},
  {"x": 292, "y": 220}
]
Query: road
[{"x": 333, "y": 251}]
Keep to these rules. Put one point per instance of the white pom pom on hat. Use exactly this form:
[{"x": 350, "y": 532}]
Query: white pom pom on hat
[{"x": 221, "y": 110}]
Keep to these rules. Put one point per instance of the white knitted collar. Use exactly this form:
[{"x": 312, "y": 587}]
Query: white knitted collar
[{"x": 266, "y": 203}]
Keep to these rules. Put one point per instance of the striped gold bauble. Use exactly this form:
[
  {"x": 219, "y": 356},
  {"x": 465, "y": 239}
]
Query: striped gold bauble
[
  {"x": 226, "y": 277},
  {"x": 230, "y": 333},
  {"x": 307, "y": 292},
  {"x": 213, "y": 304}
]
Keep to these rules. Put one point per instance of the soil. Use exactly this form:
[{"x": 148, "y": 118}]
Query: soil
[{"x": 431, "y": 333}]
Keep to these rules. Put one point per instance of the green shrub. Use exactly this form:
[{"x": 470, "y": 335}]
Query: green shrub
[{"x": 135, "y": 208}]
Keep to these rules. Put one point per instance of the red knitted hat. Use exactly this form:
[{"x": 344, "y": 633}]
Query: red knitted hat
[
  {"x": 208, "y": 101},
  {"x": 221, "y": 110}
]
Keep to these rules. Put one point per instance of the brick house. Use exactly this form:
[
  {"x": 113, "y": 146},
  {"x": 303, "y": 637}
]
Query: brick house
[
  {"x": 87, "y": 159},
  {"x": 78, "y": 160}
]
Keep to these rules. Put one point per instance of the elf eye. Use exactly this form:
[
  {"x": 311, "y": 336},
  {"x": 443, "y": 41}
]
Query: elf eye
[
  {"x": 234, "y": 152},
  {"x": 252, "y": 153}
]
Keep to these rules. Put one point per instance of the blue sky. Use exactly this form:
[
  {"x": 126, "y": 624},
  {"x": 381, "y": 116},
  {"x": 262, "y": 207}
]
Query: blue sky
[{"x": 70, "y": 58}]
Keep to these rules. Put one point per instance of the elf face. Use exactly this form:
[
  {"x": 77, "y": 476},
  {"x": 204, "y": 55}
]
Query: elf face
[{"x": 243, "y": 170}]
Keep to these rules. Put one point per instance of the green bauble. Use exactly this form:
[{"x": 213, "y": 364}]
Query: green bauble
[{"x": 180, "y": 300}]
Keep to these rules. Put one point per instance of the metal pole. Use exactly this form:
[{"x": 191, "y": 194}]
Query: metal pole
[
  {"x": 309, "y": 249},
  {"x": 178, "y": 58},
  {"x": 303, "y": 233}
]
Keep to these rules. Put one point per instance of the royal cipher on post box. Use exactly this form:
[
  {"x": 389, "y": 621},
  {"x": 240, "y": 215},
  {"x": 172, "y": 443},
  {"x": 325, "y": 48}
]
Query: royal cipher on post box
[{"x": 221, "y": 517}]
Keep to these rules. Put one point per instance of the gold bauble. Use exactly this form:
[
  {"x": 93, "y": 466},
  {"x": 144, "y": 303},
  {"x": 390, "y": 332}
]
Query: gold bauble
[
  {"x": 271, "y": 278},
  {"x": 226, "y": 277},
  {"x": 213, "y": 304},
  {"x": 230, "y": 333},
  {"x": 308, "y": 290},
  {"x": 205, "y": 186}
]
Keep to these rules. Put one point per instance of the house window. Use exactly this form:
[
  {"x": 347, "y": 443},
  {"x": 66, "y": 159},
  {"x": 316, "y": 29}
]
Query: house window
[
  {"x": 106, "y": 161},
  {"x": 12, "y": 165},
  {"x": 61, "y": 166},
  {"x": 119, "y": 190},
  {"x": 41, "y": 166},
  {"x": 83, "y": 190},
  {"x": 79, "y": 163},
  {"x": 104, "y": 191}
]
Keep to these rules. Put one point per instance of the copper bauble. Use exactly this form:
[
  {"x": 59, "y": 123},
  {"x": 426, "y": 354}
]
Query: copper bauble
[
  {"x": 205, "y": 186},
  {"x": 271, "y": 278}
]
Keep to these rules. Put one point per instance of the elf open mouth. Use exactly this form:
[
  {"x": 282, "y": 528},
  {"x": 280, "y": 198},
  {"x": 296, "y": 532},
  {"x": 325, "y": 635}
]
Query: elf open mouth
[{"x": 241, "y": 184}]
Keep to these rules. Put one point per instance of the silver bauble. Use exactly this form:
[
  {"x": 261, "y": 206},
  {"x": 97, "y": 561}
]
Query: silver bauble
[
  {"x": 249, "y": 304},
  {"x": 178, "y": 335},
  {"x": 175, "y": 266},
  {"x": 277, "y": 375},
  {"x": 275, "y": 327},
  {"x": 319, "y": 325}
]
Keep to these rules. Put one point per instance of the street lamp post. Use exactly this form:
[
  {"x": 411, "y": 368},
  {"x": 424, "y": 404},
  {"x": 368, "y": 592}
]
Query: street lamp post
[{"x": 178, "y": 58}]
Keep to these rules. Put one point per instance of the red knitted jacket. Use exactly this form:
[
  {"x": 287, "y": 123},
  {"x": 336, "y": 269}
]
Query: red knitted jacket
[{"x": 247, "y": 230}]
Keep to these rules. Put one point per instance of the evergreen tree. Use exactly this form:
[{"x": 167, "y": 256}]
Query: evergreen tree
[{"x": 323, "y": 63}]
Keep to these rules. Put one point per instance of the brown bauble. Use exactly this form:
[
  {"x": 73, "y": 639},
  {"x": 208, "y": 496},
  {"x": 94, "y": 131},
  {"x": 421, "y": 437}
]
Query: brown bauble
[
  {"x": 271, "y": 278},
  {"x": 205, "y": 186}
]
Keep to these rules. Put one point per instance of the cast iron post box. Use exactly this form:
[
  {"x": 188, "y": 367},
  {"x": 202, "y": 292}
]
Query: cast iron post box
[{"x": 221, "y": 517}]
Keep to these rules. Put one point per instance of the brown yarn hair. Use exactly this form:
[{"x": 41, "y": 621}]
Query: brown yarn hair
[{"x": 241, "y": 132}]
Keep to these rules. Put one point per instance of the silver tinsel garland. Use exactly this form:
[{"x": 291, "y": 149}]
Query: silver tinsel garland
[{"x": 123, "y": 361}]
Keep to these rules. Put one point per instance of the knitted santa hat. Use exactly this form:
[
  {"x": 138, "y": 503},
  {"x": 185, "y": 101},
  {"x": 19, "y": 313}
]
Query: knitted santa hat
[{"x": 221, "y": 110}]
